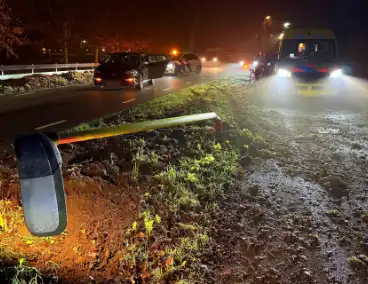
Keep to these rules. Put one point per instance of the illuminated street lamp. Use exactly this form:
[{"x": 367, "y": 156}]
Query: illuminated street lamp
[
  {"x": 174, "y": 52},
  {"x": 267, "y": 23},
  {"x": 83, "y": 43},
  {"x": 287, "y": 25}
]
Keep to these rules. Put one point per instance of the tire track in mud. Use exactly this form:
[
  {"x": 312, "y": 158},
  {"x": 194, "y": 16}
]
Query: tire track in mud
[{"x": 325, "y": 169}]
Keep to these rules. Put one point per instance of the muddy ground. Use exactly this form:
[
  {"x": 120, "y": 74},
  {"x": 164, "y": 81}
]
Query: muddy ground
[
  {"x": 279, "y": 197},
  {"x": 301, "y": 216}
]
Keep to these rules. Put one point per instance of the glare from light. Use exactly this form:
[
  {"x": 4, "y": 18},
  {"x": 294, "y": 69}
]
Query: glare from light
[
  {"x": 255, "y": 63},
  {"x": 268, "y": 17},
  {"x": 174, "y": 52},
  {"x": 214, "y": 59},
  {"x": 84, "y": 41},
  {"x": 170, "y": 66},
  {"x": 287, "y": 25},
  {"x": 103, "y": 49},
  {"x": 203, "y": 59},
  {"x": 336, "y": 73},
  {"x": 284, "y": 73},
  {"x": 98, "y": 79},
  {"x": 281, "y": 36},
  {"x": 43, "y": 49},
  {"x": 241, "y": 62}
]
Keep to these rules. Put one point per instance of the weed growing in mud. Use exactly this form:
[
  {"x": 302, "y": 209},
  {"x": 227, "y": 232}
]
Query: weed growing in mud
[
  {"x": 135, "y": 171},
  {"x": 22, "y": 274},
  {"x": 149, "y": 220}
]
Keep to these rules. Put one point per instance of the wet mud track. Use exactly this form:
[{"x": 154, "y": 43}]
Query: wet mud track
[{"x": 301, "y": 216}]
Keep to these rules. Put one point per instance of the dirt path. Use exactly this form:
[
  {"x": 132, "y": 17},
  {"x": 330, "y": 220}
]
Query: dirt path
[{"x": 301, "y": 216}]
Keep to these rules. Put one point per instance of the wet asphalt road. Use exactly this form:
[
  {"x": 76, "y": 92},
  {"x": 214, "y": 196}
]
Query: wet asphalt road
[{"x": 59, "y": 109}]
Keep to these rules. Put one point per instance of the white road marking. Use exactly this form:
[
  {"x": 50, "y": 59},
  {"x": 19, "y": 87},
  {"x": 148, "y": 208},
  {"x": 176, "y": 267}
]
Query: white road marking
[
  {"x": 23, "y": 94},
  {"x": 50, "y": 124},
  {"x": 166, "y": 89},
  {"x": 128, "y": 101}
]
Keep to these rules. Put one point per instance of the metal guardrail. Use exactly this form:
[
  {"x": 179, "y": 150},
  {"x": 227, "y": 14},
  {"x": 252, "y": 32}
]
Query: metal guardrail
[
  {"x": 32, "y": 69},
  {"x": 127, "y": 128}
]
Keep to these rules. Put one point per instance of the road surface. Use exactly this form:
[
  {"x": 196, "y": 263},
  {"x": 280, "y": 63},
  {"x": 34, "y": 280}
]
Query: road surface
[{"x": 59, "y": 109}]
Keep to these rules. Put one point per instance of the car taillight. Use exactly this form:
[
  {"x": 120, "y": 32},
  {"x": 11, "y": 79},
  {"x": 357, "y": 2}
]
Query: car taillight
[
  {"x": 297, "y": 70},
  {"x": 98, "y": 79},
  {"x": 323, "y": 70}
]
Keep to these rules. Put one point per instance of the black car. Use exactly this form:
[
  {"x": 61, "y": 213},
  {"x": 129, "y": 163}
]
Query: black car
[{"x": 129, "y": 69}]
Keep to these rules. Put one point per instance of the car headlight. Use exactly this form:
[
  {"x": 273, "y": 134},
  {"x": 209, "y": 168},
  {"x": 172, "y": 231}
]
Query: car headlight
[
  {"x": 170, "y": 66},
  {"x": 255, "y": 63},
  {"x": 284, "y": 73},
  {"x": 336, "y": 73},
  {"x": 241, "y": 62},
  {"x": 132, "y": 73}
]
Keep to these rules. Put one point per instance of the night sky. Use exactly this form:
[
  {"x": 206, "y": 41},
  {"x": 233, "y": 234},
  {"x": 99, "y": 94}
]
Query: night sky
[{"x": 219, "y": 22}]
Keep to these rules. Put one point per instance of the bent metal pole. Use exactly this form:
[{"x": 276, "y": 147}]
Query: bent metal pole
[{"x": 95, "y": 133}]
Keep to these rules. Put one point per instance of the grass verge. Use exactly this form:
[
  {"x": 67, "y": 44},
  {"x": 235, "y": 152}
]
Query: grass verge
[{"x": 181, "y": 173}]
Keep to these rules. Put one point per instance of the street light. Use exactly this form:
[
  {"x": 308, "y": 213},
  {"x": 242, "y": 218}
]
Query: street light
[
  {"x": 84, "y": 41},
  {"x": 268, "y": 18},
  {"x": 174, "y": 52},
  {"x": 287, "y": 25}
]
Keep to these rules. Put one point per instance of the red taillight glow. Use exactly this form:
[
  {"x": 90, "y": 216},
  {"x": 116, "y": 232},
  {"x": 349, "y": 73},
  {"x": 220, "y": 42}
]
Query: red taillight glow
[
  {"x": 324, "y": 70},
  {"x": 297, "y": 70},
  {"x": 98, "y": 79},
  {"x": 130, "y": 80}
]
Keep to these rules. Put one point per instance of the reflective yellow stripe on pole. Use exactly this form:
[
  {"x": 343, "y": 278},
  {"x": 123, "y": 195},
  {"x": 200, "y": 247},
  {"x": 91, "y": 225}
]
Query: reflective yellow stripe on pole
[{"x": 127, "y": 128}]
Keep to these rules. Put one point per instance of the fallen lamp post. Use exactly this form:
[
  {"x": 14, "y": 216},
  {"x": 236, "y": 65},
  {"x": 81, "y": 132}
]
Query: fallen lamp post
[{"x": 39, "y": 165}]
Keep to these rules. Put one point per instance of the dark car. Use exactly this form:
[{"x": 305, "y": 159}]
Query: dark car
[{"x": 130, "y": 70}]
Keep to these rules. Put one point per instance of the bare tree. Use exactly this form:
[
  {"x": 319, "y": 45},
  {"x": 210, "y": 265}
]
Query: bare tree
[
  {"x": 60, "y": 25},
  {"x": 9, "y": 33},
  {"x": 56, "y": 21}
]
